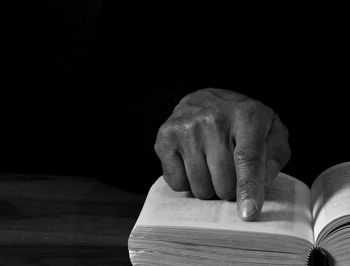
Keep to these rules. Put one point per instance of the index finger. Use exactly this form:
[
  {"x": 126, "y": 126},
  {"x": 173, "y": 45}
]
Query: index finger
[{"x": 250, "y": 160}]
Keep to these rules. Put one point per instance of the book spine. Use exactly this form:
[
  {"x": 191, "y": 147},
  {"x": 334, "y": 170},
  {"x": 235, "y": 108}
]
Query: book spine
[{"x": 319, "y": 257}]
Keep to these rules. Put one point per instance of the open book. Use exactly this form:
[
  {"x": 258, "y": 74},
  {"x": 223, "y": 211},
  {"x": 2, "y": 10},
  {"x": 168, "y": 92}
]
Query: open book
[{"x": 174, "y": 228}]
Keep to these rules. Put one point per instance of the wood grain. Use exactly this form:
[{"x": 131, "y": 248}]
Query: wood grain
[{"x": 61, "y": 220}]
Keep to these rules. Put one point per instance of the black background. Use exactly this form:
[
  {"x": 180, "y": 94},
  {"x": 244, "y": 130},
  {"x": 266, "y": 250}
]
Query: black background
[{"x": 87, "y": 84}]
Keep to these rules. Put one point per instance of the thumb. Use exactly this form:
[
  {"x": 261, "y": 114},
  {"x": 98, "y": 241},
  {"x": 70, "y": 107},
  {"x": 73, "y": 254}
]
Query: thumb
[{"x": 250, "y": 164}]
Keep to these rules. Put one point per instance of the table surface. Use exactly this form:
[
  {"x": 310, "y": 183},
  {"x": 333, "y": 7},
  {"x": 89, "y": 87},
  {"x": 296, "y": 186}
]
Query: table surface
[{"x": 62, "y": 220}]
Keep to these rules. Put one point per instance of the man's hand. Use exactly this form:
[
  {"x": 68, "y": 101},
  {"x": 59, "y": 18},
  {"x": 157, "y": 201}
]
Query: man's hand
[{"x": 219, "y": 142}]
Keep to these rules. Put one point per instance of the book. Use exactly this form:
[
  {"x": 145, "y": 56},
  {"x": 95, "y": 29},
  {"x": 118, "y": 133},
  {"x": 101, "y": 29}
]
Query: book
[{"x": 297, "y": 226}]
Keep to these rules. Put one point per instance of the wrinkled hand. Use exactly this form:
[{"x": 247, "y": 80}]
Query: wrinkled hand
[{"x": 219, "y": 142}]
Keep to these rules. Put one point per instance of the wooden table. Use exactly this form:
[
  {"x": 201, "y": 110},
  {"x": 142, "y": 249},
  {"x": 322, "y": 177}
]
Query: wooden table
[{"x": 60, "y": 220}]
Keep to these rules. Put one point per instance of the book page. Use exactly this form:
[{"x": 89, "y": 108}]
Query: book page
[
  {"x": 286, "y": 210},
  {"x": 330, "y": 196}
]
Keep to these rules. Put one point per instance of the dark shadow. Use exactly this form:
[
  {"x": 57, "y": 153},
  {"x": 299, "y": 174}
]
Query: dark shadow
[{"x": 319, "y": 257}]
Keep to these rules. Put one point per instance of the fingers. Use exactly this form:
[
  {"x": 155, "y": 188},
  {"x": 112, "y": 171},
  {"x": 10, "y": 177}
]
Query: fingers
[
  {"x": 205, "y": 175},
  {"x": 220, "y": 142},
  {"x": 250, "y": 160},
  {"x": 221, "y": 167},
  {"x": 186, "y": 170},
  {"x": 278, "y": 151},
  {"x": 172, "y": 164},
  {"x": 198, "y": 175},
  {"x": 174, "y": 171}
]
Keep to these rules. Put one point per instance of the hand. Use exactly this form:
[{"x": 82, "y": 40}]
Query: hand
[{"x": 219, "y": 142}]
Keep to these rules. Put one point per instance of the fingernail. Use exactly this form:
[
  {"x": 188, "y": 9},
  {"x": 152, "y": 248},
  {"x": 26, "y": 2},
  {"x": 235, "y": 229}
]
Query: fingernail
[{"x": 248, "y": 209}]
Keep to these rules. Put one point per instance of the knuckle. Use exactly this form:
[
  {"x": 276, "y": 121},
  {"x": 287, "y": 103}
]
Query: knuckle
[
  {"x": 163, "y": 140},
  {"x": 247, "y": 155},
  {"x": 182, "y": 125},
  {"x": 158, "y": 148},
  {"x": 212, "y": 119},
  {"x": 246, "y": 187},
  {"x": 174, "y": 127},
  {"x": 209, "y": 118},
  {"x": 164, "y": 131},
  {"x": 249, "y": 109}
]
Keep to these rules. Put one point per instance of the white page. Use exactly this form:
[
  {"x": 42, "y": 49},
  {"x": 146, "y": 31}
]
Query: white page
[
  {"x": 286, "y": 210},
  {"x": 331, "y": 196}
]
